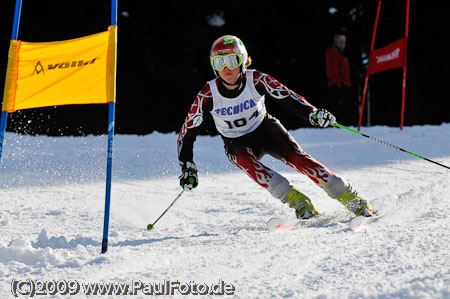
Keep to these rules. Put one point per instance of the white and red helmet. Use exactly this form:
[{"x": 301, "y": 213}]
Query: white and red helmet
[{"x": 228, "y": 51}]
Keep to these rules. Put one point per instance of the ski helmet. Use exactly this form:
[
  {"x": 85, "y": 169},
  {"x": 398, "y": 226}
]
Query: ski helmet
[{"x": 228, "y": 45}]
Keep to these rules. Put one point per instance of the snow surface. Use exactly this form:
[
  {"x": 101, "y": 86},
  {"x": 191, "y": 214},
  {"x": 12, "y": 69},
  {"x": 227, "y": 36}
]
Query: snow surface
[{"x": 52, "y": 204}]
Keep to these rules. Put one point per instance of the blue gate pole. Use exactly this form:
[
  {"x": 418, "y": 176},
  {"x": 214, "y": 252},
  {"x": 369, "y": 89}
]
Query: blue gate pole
[
  {"x": 14, "y": 35},
  {"x": 3, "y": 119},
  {"x": 111, "y": 117}
]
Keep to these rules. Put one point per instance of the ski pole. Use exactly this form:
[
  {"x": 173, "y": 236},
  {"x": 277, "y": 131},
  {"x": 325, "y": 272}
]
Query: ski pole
[
  {"x": 390, "y": 145},
  {"x": 151, "y": 226}
]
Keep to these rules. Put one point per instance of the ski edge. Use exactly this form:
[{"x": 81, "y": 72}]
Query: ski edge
[
  {"x": 359, "y": 223},
  {"x": 281, "y": 224}
]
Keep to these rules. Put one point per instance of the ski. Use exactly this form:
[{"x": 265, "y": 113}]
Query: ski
[
  {"x": 360, "y": 222},
  {"x": 357, "y": 223}
]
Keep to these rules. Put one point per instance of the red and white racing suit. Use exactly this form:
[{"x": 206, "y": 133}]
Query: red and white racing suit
[{"x": 249, "y": 132}]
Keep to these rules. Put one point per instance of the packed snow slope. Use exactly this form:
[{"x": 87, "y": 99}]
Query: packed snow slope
[{"x": 52, "y": 193}]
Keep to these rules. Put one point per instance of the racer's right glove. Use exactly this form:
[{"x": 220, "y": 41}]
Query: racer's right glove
[{"x": 188, "y": 177}]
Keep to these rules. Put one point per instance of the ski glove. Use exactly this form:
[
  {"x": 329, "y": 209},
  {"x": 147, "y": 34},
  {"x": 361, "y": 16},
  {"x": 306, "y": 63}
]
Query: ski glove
[
  {"x": 189, "y": 178},
  {"x": 321, "y": 118}
]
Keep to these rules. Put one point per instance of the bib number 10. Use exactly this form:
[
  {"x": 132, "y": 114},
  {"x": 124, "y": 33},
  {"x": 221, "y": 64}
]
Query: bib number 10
[
  {"x": 237, "y": 123},
  {"x": 241, "y": 122}
]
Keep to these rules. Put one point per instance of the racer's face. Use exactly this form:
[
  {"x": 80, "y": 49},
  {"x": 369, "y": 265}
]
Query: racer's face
[{"x": 230, "y": 77}]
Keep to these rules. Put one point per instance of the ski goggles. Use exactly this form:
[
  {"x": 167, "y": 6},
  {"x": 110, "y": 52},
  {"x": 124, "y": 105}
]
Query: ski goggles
[{"x": 231, "y": 61}]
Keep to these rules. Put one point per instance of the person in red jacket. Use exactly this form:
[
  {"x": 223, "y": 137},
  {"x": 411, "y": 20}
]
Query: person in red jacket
[
  {"x": 236, "y": 101},
  {"x": 339, "y": 81}
]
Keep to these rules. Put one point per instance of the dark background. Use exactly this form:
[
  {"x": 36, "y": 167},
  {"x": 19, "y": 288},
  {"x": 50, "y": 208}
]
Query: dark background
[{"x": 163, "y": 57}]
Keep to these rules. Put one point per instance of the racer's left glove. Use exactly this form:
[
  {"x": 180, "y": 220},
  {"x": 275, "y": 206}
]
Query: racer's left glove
[{"x": 321, "y": 118}]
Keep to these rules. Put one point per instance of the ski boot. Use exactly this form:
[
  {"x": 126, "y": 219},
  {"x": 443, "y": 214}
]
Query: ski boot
[
  {"x": 304, "y": 209},
  {"x": 355, "y": 203}
]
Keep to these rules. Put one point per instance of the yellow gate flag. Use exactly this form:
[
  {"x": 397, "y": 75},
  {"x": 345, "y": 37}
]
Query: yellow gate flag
[{"x": 76, "y": 71}]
